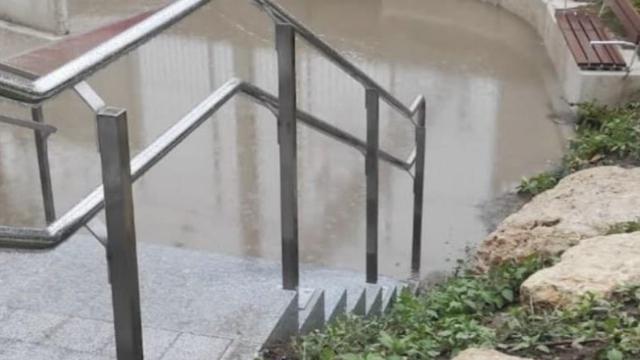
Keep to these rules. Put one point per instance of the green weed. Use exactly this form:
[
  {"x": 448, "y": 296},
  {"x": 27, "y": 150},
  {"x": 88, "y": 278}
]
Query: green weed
[
  {"x": 449, "y": 318},
  {"x": 481, "y": 311},
  {"x": 624, "y": 227},
  {"x": 539, "y": 183}
]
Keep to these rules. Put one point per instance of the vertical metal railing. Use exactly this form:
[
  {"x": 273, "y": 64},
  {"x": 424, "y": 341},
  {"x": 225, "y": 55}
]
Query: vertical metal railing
[
  {"x": 113, "y": 140},
  {"x": 285, "y": 46},
  {"x": 418, "y": 187},
  {"x": 42, "y": 151},
  {"x": 117, "y": 175},
  {"x": 372, "y": 105},
  {"x": 287, "y": 139}
]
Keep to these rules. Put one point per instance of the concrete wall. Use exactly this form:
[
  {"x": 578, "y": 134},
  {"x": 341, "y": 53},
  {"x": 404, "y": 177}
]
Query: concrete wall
[
  {"x": 46, "y": 15},
  {"x": 604, "y": 86}
]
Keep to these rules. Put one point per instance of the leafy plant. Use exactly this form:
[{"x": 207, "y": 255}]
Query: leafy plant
[
  {"x": 427, "y": 327},
  {"x": 624, "y": 227},
  {"x": 538, "y": 184},
  {"x": 447, "y": 319},
  {"x": 593, "y": 328}
]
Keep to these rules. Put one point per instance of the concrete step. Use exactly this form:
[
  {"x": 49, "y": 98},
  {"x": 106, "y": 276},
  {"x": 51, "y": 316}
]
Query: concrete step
[
  {"x": 337, "y": 308},
  {"x": 389, "y": 297},
  {"x": 357, "y": 301},
  {"x": 373, "y": 300},
  {"x": 311, "y": 309}
]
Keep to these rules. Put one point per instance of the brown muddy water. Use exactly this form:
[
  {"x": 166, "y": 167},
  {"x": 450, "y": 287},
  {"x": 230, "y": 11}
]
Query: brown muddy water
[{"x": 492, "y": 98}]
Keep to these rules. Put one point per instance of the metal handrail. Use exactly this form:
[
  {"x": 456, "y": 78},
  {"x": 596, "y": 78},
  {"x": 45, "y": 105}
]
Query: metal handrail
[
  {"x": 61, "y": 229},
  {"x": 119, "y": 171},
  {"x": 36, "y": 91},
  {"x": 279, "y": 15}
]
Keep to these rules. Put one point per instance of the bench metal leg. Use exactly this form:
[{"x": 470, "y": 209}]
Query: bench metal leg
[
  {"x": 122, "y": 260},
  {"x": 287, "y": 138},
  {"x": 372, "y": 101},
  {"x": 42, "y": 150},
  {"x": 634, "y": 58}
]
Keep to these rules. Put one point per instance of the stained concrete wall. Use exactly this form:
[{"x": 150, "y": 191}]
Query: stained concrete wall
[{"x": 45, "y": 15}]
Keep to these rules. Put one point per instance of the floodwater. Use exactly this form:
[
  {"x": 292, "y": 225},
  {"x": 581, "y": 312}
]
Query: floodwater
[{"x": 492, "y": 100}]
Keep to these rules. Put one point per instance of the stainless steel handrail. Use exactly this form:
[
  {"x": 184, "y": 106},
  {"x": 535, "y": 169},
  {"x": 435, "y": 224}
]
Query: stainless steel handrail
[
  {"x": 279, "y": 15},
  {"x": 35, "y": 91},
  {"x": 61, "y": 229},
  {"x": 119, "y": 171}
]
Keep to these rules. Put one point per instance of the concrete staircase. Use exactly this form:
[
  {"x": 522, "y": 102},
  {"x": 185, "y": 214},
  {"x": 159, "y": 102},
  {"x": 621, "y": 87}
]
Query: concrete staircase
[
  {"x": 337, "y": 293},
  {"x": 195, "y": 305}
]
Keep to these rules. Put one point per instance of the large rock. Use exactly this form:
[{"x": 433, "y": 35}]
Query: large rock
[
  {"x": 581, "y": 206},
  {"x": 485, "y": 354},
  {"x": 598, "y": 265}
]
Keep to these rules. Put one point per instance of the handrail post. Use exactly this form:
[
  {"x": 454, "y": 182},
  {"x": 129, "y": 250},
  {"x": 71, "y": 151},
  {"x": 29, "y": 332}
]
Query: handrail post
[
  {"x": 372, "y": 102},
  {"x": 42, "y": 151},
  {"x": 287, "y": 139},
  {"x": 418, "y": 188},
  {"x": 122, "y": 260}
]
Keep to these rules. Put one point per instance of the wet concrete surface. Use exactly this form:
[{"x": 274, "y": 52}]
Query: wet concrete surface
[{"x": 491, "y": 95}]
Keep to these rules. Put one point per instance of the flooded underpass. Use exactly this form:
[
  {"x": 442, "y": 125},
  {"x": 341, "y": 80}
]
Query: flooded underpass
[{"x": 492, "y": 113}]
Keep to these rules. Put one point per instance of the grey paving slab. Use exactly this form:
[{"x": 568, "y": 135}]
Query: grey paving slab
[
  {"x": 60, "y": 300},
  {"x": 182, "y": 291},
  {"x": 60, "y": 281},
  {"x": 239, "y": 350},
  {"x": 194, "y": 347},
  {"x": 155, "y": 343},
  {"x": 4, "y": 312},
  {"x": 16, "y": 350},
  {"x": 81, "y": 335},
  {"x": 29, "y": 327}
]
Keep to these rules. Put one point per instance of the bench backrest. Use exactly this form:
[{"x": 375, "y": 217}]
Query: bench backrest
[{"x": 628, "y": 16}]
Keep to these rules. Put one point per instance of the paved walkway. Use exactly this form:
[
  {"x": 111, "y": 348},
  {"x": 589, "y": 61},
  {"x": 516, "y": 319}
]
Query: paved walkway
[{"x": 56, "y": 305}]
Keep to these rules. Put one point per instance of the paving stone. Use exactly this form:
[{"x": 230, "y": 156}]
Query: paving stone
[
  {"x": 4, "y": 312},
  {"x": 239, "y": 350},
  {"x": 29, "y": 327},
  {"x": 18, "y": 350},
  {"x": 194, "y": 347},
  {"x": 81, "y": 335},
  {"x": 73, "y": 355},
  {"x": 155, "y": 343}
]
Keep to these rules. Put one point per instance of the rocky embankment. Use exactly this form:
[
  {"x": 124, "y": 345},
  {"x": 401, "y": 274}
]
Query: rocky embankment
[
  {"x": 582, "y": 206},
  {"x": 579, "y": 220}
]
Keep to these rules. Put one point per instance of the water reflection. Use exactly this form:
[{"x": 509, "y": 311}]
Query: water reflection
[{"x": 490, "y": 91}]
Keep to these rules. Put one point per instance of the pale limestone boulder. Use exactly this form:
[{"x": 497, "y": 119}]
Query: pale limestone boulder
[
  {"x": 582, "y": 205},
  {"x": 597, "y": 265},
  {"x": 485, "y": 354}
]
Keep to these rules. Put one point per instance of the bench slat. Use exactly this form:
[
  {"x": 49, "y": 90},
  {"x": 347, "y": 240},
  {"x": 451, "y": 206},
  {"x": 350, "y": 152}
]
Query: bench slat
[
  {"x": 572, "y": 41},
  {"x": 592, "y": 57},
  {"x": 592, "y": 35},
  {"x": 613, "y": 51}
]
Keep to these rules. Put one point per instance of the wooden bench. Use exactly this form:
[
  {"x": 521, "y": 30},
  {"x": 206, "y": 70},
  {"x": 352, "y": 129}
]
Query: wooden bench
[
  {"x": 43, "y": 60},
  {"x": 580, "y": 31}
]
